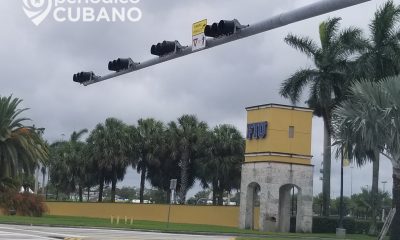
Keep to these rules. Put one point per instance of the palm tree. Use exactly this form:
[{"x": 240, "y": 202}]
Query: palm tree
[
  {"x": 186, "y": 137},
  {"x": 79, "y": 162},
  {"x": 382, "y": 53},
  {"x": 95, "y": 145},
  {"x": 149, "y": 146},
  {"x": 167, "y": 168},
  {"x": 60, "y": 172},
  {"x": 221, "y": 166},
  {"x": 327, "y": 81},
  {"x": 354, "y": 145},
  {"x": 69, "y": 164},
  {"x": 372, "y": 112},
  {"x": 109, "y": 147},
  {"x": 21, "y": 147},
  {"x": 381, "y": 59}
]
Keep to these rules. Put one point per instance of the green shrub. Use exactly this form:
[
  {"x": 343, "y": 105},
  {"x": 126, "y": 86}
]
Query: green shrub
[
  {"x": 352, "y": 226},
  {"x": 324, "y": 225}
]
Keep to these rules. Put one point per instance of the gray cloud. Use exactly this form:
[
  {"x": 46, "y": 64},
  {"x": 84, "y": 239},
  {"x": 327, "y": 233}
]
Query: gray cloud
[{"x": 38, "y": 63}]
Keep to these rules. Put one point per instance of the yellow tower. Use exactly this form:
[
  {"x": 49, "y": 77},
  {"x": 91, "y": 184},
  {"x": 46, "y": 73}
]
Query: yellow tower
[
  {"x": 277, "y": 161},
  {"x": 278, "y": 133}
]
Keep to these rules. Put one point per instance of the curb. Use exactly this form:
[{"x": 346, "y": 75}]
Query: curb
[{"x": 232, "y": 235}]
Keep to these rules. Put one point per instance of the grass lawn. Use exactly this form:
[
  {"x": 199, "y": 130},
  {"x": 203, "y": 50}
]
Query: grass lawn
[{"x": 162, "y": 226}]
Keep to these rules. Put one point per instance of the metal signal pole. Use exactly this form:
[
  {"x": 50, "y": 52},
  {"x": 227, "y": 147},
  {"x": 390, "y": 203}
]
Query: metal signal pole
[{"x": 283, "y": 19}]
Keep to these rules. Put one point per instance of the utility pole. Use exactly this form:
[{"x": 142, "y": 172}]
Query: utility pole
[{"x": 243, "y": 31}]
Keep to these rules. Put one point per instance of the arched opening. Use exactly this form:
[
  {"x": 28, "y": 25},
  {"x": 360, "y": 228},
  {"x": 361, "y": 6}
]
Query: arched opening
[
  {"x": 252, "y": 206},
  {"x": 289, "y": 203}
]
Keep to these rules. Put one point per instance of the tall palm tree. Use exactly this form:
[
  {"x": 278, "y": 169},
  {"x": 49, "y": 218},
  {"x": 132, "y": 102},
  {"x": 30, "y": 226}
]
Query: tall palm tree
[
  {"x": 360, "y": 152},
  {"x": 109, "y": 145},
  {"x": 380, "y": 59},
  {"x": 21, "y": 147},
  {"x": 187, "y": 135},
  {"x": 79, "y": 162},
  {"x": 167, "y": 168},
  {"x": 221, "y": 166},
  {"x": 60, "y": 172},
  {"x": 372, "y": 112},
  {"x": 149, "y": 147},
  {"x": 327, "y": 82},
  {"x": 95, "y": 145},
  {"x": 69, "y": 164}
]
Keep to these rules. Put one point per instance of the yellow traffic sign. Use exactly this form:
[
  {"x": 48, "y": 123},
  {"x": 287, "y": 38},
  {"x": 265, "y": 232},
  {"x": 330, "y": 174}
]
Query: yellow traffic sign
[{"x": 198, "y": 27}]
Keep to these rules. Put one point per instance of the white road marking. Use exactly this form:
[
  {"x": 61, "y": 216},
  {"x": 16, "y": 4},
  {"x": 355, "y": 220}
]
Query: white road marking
[
  {"x": 47, "y": 233},
  {"x": 40, "y": 232},
  {"x": 14, "y": 235}
]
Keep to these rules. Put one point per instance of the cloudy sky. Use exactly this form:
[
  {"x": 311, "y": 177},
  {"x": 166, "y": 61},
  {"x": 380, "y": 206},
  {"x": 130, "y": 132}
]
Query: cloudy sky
[{"x": 38, "y": 63}]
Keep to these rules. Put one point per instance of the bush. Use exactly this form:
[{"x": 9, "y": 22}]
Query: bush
[
  {"x": 24, "y": 204},
  {"x": 352, "y": 226},
  {"x": 324, "y": 225}
]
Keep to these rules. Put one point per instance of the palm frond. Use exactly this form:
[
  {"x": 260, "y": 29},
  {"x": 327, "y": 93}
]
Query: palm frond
[
  {"x": 327, "y": 31},
  {"x": 303, "y": 44},
  {"x": 292, "y": 87},
  {"x": 384, "y": 23}
]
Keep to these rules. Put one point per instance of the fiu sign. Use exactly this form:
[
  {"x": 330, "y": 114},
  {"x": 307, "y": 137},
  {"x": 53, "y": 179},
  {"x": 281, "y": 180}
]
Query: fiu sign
[{"x": 257, "y": 130}]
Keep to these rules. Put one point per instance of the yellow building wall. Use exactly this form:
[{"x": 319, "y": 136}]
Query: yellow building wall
[
  {"x": 279, "y": 119},
  {"x": 209, "y": 215}
]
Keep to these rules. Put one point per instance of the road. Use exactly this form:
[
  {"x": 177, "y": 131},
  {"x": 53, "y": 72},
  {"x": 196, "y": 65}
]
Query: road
[{"x": 19, "y": 232}]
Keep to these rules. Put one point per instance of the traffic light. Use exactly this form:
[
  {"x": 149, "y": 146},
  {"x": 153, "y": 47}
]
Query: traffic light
[
  {"x": 223, "y": 28},
  {"x": 166, "y": 47},
  {"x": 120, "y": 64},
  {"x": 84, "y": 77}
]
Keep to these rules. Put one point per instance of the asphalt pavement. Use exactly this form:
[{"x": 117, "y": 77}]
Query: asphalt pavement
[{"x": 22, "y": 232}]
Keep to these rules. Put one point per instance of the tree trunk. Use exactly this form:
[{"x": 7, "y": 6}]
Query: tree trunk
[
  {"x": 80, "y": 192},
  {"x": 220, "y": 196},
  {"x": 101, "y": 187},
  {"x": 184, "y": 178},
  {"x": 215, "y": 194},
  {"x": 142, "y": 182},
  {"x": 88, "y": 194},
  {"x": 374, "y": 193},
  {"x": 43, "y": 179},
  {"x": 47, "y": 185},
  {"x": 168, "y": 200},
  {"x": 395, "y": 233},
  {"x": 326, "y": 182},
  {"x": 113, "y": 187}
]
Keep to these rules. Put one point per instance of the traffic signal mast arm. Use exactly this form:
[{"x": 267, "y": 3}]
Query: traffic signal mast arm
[{"x": 283, "y": 19}]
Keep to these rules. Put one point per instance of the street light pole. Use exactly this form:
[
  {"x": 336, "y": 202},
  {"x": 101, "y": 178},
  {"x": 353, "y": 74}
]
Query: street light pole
[{"x": 280, "y": 20}]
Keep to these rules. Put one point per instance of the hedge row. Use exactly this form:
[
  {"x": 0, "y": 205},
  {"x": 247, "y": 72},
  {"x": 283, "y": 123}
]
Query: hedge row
[{"x": 329, "y": 225}]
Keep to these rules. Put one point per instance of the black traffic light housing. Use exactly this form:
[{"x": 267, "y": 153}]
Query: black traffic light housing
[
  {"x": 166, "y": 47},
  {"x": 84, "y": 77},
  {"x": 121, "y": 64},
  {"x": 223, "y": 28}
]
